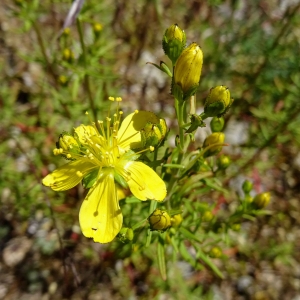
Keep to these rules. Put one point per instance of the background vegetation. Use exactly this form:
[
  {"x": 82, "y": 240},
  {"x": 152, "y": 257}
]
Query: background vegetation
[{"x": 48, "y": 82}]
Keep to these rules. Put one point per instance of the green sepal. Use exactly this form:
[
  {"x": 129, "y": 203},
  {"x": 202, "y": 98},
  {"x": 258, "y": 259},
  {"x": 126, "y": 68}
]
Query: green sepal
[
  {"x": 176, "y": 91},
  {"x": 89, "y": 179},
  {"x": 214, "y": 109},
  {"x": 192, "y": 91},
  {"x": 162, "y": 67},
  {"x": 120, "y": 180}
]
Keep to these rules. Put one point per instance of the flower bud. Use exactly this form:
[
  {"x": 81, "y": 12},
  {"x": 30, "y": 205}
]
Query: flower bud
[
  {"x": 236, "y": 227},
  {"x": 154, "y": 134},
  {"x": 217, "y": 124},
  {"x": 159, "y": 220},
  {"x": 247, "y": 186},
  {"x": 67, "y": 142},
  {"x": 187, "y": 71},
  {"x": 97, "y": 29},
  {"x": 66, "y": 31},
  {"x": 68, "y": 55},
  {"x": 215, "y": 252},
  {"x": 223, "y": 162},
  {"x": 63, "y": 80},
  {"x": 262, "y": 200},
  {"x": 126, "y": 234},
  {"x": 248, "y": 198},
  {"x": 176, "y": 220},
  {"x": 217, "y": 102},
  {"x": 214, "y": 138},
  {"x": 207, "y": 216},
  {"x": 173, "y": 42}
]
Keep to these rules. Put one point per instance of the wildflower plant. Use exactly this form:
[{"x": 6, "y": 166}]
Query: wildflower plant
[{"x": 124, "y": 160}]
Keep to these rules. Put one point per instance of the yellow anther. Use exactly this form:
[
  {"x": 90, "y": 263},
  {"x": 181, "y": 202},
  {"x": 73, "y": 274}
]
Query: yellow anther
[
  {"x": 100, "y": 121},
  {"x": 151, "y": 148},
  {"x": 119, "y": 99},
  {"x": 111, "y": 98},
  {"x": 69, "y": 155},
  {"x": 86, "y": 113},
  {"x": 120, "y": 113},
  {"x": 136, "y": 111}
]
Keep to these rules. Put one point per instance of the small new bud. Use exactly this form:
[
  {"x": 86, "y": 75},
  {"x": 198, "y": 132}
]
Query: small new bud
[
  {"x": 262, "y": 200},
  {"x": 68, "y": 55},
  {"x": 159, "y": 220},
  {"x": 176, "y": 220},
  {"x": 217, "y": 102},
  {"x": 223, "y": 162},
  {"x": 207, "y": 216},
  {"x": 217, "y": 124},
  {"x": 97, "y": 29},
  {"x": 187, "y": 71},
  {"x": 247, "y": 186},
  {"x": 67, "y": 143},
  {"x": 63, "y": 80},
  {"x": 66, "y": 31},
  {"x": 154, "y": 134},
  {"x": 215, "y": 252},
  {"x": 214, "y": 138},
  {"x": 126, "y": 234},
  {"x": 236, "y": 227},
  {"x": 173, "y": 42}
]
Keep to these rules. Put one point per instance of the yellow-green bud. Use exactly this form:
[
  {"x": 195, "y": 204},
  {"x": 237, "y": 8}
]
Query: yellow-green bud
[
  {"x": 215, "y": 252},
  {"x": 69, "y": 144},
  {"x": 97, "y": 29},
  {"x": 235, "y": 227},
  {"x": 214, "y": 138},
  {"x": 187, "y": 72},
  {"x": 217, "y": 102},
  {"x": 248, "y": 198},
  {"x": 63, "y": 80},
  {"x": 262, "y": 200},
  {"x": 217, "y": 124},
  {"x": 247, "y": 186},
  {"x": 68, "y": 55},
  {"x": 66, "y": 31},
  {"x": 154, "y": 134},
  {"x": 176, "y": 220},
  {"x": 159, "y": 220},
  {"x": 126, "y": 234},
  {"x": 207, "y": 216},
  {"x": 223, "y": 162},
  {"x": 173, "y": 42}
]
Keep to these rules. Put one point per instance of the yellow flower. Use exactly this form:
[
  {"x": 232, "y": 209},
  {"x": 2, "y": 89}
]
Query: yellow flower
[{"x": 107, "y": 154}]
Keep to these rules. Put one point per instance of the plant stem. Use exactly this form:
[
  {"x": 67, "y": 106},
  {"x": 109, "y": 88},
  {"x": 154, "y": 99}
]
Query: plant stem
[{"x": 86, "y": 77}]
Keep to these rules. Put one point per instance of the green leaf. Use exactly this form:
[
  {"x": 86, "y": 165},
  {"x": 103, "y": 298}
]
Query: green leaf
[
  {"x": 189, "y": 235},
  {"x": 161, "y": 257}
]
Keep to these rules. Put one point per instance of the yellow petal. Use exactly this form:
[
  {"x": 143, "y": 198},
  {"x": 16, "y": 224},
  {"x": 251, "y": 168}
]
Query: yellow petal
[
  {"x": 129, "y": 136},
  {"x": 100, "y": 216},
  {"x": 68, "y": 175},
  {"x": 144, "y": 183}
]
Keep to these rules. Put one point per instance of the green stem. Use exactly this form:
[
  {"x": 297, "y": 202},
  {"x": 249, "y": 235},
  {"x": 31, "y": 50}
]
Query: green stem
[
  {"x": 86, "y": 77},
  {"x": 49, "y": 65}
]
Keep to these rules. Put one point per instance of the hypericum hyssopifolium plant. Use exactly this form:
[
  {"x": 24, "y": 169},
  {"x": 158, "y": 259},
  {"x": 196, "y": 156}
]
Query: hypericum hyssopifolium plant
[{"x": 118, "y": 161}]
